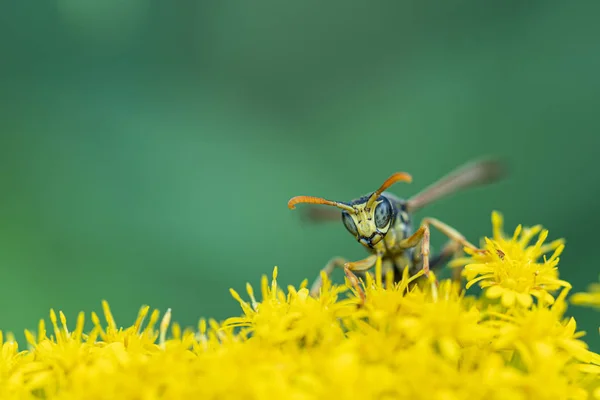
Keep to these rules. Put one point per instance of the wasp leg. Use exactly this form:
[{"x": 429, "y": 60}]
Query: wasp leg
[
  {"x": 337, "y": 262},
  {"x": 359, "y": 266},
  {"x": 420, "y": 237},
  {"x": 447, "y": 230},
  {"x": 450, "y": 250},
  {"x": 450, "y": 232}
]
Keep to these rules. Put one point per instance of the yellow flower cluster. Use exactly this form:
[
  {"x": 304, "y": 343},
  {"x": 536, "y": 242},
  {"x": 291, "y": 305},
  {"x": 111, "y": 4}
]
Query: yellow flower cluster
[{"x": 407, "y": 341}]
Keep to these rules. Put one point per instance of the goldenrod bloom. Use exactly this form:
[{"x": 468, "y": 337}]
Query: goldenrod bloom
[
  {"x": 541, "y": 332},
  {"x": 513, "y": 270},
  {"x": 405, "y": 342}
]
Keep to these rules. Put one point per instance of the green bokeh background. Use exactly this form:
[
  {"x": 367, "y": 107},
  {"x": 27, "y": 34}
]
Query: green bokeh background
[{"x": 148, "y": 148}]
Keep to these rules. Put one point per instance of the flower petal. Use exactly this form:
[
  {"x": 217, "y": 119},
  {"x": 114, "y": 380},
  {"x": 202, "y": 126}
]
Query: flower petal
[
  {"x": 508, "y": 298},
  {"x": 493, "y": 292},
  {"x": 524, "y": 299}
]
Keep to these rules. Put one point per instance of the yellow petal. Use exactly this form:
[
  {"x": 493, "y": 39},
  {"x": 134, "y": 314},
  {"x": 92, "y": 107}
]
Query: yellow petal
[
  {"x": 449, "y": 348},
  {"x": 478, "y": 268},
  {"x": 494, "y": 292},
  {"x": 524, "y": 299},
  {"x": 544, "y": 297},
  {"x": 497, "y": 224},
  {"x": 459, "y": 262},
  {"x": 578, "y": 350},
  {"x": 474, "y": 281},
  {"x": 571, "y": 327},
  {"x": 559, "y": 249},
  {"x": 508, "y": 298},
  {"x": 544, "y": 350},
  {"x": 591, "y": 369},
  {"x": 517, "y": 232}
]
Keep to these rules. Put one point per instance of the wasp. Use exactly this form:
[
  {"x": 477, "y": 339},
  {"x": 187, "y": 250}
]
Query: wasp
[{"x": 382, "y": 223}]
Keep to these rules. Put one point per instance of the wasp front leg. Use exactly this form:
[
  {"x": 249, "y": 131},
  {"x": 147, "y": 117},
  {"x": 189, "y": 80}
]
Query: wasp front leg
[
  {"x": 349, "y": 269},
  {"x": 420, "y": 237},
  {"x": 337, "y": 262},
  {"x": 359, "y": 266}
]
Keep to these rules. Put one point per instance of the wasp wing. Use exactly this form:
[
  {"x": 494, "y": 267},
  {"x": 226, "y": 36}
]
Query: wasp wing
[
  {"x": 477, "y": 173},
  {"x": 320, "y": 214}
]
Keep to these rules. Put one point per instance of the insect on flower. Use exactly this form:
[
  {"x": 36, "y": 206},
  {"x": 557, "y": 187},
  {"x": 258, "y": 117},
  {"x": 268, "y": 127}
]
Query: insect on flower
[{"x": 381, "y": 222}]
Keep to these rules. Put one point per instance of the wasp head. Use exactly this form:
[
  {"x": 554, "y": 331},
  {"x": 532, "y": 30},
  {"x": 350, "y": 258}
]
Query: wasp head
[
  {"x": 369, "y": 218},
  {"x": 369, "y": 223}
]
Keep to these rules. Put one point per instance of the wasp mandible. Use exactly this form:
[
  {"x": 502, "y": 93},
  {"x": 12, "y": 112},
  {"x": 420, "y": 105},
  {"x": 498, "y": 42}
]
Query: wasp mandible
[{"x": 381, "y": 222}]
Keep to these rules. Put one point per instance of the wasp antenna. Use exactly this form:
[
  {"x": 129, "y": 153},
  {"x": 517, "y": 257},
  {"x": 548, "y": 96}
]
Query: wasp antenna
[
  {"x": 397, "y": 177},
  {"x": 318, "y": 200}
]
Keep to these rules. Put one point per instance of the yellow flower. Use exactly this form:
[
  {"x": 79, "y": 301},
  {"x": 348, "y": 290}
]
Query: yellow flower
[
  {"x": 406, "y": 341},
  {"x": 437, "y": 316},
  {"x": 589, "y": 298},
  {"x": 511, "y": 269},
  {"x": 541, "y": 332},
  {"x": 294, "y": 316}
]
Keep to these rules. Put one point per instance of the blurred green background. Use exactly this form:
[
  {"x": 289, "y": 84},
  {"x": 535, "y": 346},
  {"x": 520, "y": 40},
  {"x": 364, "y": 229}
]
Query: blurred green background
[{"x": 148, "y": 148}]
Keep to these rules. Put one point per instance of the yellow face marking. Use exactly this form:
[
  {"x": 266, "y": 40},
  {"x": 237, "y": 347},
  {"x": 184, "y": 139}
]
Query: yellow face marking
[{"x": 364, "y": 219}]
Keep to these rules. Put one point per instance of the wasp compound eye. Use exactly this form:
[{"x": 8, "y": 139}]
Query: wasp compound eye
[
  {"x": 349, "y": 223},
  {"x": 383, "y": 213}
]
